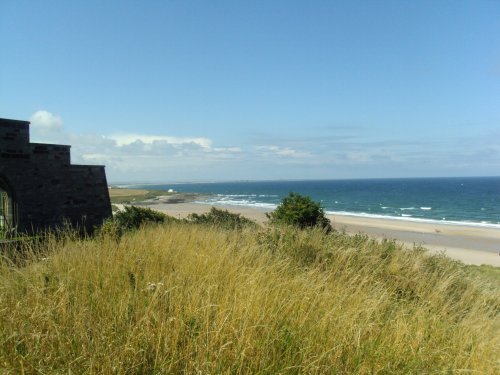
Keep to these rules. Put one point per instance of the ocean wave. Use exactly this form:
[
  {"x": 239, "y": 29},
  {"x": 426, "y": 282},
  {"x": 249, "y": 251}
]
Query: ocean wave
[
  {"x": 237, "y": 195},
  {"x": 227, "y": 201},
  {"x": 482, "y": 224},
  {"x": 478, "y": 210},
  {"x": 241, "y": 202}
]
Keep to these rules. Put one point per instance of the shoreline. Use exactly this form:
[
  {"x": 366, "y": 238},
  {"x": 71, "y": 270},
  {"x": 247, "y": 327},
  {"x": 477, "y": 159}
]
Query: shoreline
[
  {"x": 472, "y": 224},
  {"x": 467, "y": 243}
]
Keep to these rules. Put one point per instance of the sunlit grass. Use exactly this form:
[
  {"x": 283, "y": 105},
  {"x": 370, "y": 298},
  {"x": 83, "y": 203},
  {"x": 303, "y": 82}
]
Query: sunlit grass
[
  {"x": 119, "y": 195},
  {"x": 189, "y": 298}
]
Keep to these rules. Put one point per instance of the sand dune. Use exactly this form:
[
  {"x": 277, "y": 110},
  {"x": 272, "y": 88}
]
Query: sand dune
[{"x": 469, "y": 244}]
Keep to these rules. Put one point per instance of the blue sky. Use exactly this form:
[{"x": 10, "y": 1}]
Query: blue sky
[{"x": 164, "y": 91}]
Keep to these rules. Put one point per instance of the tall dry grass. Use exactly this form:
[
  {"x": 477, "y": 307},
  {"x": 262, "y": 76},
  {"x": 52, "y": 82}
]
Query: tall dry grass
[{"x": 194, "y": 299}]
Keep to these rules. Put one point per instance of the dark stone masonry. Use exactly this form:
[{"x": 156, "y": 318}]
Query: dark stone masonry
[{"x": 41, "y": 189}]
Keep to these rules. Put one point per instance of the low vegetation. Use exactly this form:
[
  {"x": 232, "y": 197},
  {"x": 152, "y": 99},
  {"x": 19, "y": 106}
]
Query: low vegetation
[
  {"x": 127, "y": 196},
  {"x": 222, "y": 219},
  {"x": 142, "y": 196},
  {"x": 486, "y": 273},
  {"x": 300, "y": 211},
  {"x": 131, "y": 218},
  {"x": 134, "y": 217},
  {"x": 10, "y": 235},
  {"x": 175, "y": 297}
]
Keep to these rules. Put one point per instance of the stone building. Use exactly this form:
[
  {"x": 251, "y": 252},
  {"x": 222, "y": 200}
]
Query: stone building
[{"x": 40, "y": 188}]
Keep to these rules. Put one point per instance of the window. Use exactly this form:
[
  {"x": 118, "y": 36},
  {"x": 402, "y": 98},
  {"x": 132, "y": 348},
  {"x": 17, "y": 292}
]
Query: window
[{"x": 6, "y": 212}]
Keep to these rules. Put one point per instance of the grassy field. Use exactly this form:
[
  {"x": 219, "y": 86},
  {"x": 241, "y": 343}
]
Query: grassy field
[
  {"x": 486, "y": 273},
  {"x": 128, "y": 196},
  {"x": 119, "y": 195},
  {"x": 197, "y": 299}
]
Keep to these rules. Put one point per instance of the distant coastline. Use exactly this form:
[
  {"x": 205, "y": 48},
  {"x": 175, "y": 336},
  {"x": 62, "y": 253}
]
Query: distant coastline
[{"x": 470, "y": 201}]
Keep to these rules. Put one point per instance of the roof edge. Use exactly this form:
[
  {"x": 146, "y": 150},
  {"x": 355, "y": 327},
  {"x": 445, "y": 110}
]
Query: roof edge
[{"x": 12, "y": 121}]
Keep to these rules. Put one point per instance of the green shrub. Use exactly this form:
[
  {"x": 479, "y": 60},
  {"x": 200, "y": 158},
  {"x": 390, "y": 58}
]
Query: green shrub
[
  {"x": 132, "y": 218},
  {"x": 300, "y": 211},
  {"x": 222, "y": 219}
]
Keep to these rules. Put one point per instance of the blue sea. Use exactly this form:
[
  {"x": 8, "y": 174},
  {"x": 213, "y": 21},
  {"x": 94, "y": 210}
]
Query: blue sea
[{"x": 472, "y": 200}]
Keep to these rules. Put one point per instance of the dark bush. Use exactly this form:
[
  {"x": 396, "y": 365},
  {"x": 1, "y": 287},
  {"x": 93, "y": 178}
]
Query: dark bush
[
  {"x": 131, "y": 218},
  {"x": 300, "y": 211},
  {"x": 222, "y": 219}
]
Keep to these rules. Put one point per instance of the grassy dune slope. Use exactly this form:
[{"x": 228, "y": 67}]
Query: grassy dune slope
[{"x": 197, "y": 299}]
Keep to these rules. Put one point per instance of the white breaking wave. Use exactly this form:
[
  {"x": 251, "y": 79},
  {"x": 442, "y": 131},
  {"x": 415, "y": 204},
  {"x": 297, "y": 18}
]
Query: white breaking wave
[
  {"x": 237, "y": 195},
  {"x": 419, "y": 220},
  {"x": 227, "y": 202}
]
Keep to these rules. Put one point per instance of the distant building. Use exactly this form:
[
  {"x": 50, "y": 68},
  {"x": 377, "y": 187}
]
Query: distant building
[{"x": 41, "y": 189}]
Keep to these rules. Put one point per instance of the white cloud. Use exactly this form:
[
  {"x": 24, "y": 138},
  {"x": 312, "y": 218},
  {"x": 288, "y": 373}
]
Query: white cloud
[
  {"x": 284, "y": 152},
  {"x": 136, "y": 156},
  {"x": 127, "y": 139},
  {"x": 228, "y": 149},
  {"x": 45, "y": 122}
]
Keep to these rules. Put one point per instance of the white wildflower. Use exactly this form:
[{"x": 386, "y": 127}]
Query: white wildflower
[{"x": 152, "y": 287}]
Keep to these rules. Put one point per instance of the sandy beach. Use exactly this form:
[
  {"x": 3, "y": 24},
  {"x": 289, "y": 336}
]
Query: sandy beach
[{"x": 469, "y": 244}]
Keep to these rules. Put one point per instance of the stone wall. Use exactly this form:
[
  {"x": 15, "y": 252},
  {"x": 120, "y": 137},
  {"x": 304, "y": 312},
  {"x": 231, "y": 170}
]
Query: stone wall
[{"x": 46, "y": 189}]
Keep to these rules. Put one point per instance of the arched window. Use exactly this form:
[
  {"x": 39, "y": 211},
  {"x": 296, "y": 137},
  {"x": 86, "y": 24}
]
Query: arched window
[{"x": 7, "y": 224}]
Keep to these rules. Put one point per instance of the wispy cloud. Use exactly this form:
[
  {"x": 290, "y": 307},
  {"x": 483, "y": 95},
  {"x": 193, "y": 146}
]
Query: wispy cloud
[
  {"x": 281, "y": 152},
  {"x": 135, "y": 156},
  {"x": 127, "y": 139}
]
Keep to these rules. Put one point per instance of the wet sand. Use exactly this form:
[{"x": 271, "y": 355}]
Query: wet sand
[{"x": 469, "y": 244}]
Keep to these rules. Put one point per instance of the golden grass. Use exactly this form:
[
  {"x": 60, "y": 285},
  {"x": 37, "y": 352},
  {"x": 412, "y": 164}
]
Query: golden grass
[
  {"x": 194, "y": 299},
  {"x": 122, "y": 192}
]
